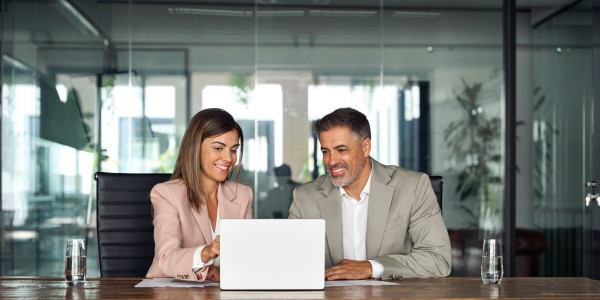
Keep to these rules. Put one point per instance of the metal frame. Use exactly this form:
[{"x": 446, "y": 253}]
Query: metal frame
[
  {"x": 509, "y": 55},
  {"x": 1, "y": 108}
]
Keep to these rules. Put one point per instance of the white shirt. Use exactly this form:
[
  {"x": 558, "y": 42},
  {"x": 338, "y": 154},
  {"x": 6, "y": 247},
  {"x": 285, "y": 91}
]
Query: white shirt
[
  {"x": 354, "y": 227},
  {"x": 198, "y": 263}
]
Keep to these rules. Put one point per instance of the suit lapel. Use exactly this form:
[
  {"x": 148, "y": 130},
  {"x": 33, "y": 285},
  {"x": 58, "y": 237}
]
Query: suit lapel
[
  {"x": 228, "y": 208},
  {"x": 204, "y": 222},
  {"x": 331, "y": 211},
  {"x": 380, "y": 201}
]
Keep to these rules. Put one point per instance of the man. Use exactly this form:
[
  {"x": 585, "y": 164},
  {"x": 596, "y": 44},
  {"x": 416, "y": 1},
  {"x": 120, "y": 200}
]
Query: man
[{"x": 382, "y": 221}]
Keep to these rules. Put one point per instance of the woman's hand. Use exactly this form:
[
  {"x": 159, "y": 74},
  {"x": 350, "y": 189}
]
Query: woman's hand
[
  {"x": 214, "y": 274},
  {"x": 211, "y": 251}
]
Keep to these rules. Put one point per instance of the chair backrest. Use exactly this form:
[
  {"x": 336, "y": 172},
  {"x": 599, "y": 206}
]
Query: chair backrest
[
  {"x": 437, "y": 182},
  {"x": 125, "y": 230}
]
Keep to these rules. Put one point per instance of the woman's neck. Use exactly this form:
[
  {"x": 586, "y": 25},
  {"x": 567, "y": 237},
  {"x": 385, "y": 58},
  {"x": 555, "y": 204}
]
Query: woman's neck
[{"x": 210, "y": 189}]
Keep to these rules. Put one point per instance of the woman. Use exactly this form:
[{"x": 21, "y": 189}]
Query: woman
[{"x": 188, "y": 207}]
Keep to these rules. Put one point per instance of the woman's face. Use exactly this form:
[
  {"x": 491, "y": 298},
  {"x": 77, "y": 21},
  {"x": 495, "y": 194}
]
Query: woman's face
[{"x": 219, "y": 155}]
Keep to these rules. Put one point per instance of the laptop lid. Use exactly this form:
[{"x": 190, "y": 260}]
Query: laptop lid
[{"x": 272, "y": 254}]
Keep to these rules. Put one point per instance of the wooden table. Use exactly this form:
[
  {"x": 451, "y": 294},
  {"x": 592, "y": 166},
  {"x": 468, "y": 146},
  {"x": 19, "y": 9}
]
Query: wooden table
[{"x": 440, "y": 288}]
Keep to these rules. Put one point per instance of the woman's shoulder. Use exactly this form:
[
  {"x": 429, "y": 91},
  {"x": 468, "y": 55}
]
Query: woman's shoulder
[
  {"x": 173, "y": 185},
  {"x": 237, "y": 188},
  {"x": 234, "y": 184}
]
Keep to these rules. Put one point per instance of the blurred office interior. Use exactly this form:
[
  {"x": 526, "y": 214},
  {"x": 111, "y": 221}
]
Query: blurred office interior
[{"x": 109, "y": 85}]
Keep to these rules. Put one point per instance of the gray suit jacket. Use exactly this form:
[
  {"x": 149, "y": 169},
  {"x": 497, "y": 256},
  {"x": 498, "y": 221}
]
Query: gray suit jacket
[{"x": 405, "y": 229}]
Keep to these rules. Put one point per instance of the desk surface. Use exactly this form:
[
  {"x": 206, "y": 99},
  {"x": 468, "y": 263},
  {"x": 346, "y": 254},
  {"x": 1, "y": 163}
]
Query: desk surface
[{"x": 455, "y": 287}]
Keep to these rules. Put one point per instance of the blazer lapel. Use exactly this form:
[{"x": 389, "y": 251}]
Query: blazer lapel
[
  {"x": 228, "y": 209},
  {"x": 204, "y": 222},
  {"x": 331, "y": 211},
  {"x": 380, "y": 201}
]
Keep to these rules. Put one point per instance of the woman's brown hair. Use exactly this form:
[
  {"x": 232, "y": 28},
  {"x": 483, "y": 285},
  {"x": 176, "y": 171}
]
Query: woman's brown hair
[{"x": 206, "y": 123}]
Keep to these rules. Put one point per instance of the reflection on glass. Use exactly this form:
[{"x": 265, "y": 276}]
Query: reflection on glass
[
  {"x": 47, "y": 163},
  {"x": 562, "y": 95},
  {"x": 136, "y": 79}
]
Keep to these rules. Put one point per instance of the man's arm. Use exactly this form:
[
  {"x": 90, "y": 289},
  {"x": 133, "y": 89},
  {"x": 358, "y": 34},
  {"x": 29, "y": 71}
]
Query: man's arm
[
  {"x": 430, "y": 255},
  {"x": 294, "y": 212}
]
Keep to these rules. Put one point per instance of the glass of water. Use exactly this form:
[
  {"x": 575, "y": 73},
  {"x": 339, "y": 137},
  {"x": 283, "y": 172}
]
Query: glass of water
[
  {"x": 491, "y": 262},
  {"x": 75, "y": 264}
]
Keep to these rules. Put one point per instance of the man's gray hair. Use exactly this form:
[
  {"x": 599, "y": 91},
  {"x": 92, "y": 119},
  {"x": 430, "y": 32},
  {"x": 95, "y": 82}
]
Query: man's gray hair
[{"x": 347, "y": 117}]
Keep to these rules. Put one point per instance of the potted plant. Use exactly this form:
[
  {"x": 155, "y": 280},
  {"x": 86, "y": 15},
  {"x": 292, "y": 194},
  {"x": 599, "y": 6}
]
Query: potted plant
[{"x": 474, "y": 141}]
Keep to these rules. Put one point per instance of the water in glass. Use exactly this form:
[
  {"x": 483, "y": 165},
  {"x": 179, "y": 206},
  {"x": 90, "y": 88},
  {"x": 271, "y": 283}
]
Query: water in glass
[
  {"x": 491, "y": 269},
  {"x": 75, "y": 262},
  {"x": 75, "y": 270},
  {"x": 491, "y": 262}
]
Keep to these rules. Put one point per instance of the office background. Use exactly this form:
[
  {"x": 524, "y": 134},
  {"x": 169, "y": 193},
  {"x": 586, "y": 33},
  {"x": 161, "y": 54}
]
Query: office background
[{"x": 448, "y": 87}]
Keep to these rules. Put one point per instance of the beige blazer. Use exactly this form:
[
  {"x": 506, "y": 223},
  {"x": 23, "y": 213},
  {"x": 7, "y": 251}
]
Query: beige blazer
[
  {"x": 405, "y": 229},
  {"x": 178, "y": 230}
]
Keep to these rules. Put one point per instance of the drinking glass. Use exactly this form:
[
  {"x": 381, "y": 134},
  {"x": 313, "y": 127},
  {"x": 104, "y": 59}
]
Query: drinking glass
[
  {"x": 75, "y": 264},
  {"x": 491, "y": 262}
]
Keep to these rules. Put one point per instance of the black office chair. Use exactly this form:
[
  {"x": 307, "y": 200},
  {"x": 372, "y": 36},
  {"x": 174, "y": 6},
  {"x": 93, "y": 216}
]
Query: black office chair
[
  {"x": 125, "y": 230},
  {"x": 437, "y": 182}
]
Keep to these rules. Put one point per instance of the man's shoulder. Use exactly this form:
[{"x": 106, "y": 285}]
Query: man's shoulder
[
  {"x": 307, "y": 196},
  {"x": 313, "y": 185},
  {"x": 396, "y": 173},
  {"x": 312, "y": 188}
]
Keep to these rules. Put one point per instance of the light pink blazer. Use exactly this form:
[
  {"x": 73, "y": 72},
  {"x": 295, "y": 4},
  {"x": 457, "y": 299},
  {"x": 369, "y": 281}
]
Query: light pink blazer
[{"x": 178, "y": 230}]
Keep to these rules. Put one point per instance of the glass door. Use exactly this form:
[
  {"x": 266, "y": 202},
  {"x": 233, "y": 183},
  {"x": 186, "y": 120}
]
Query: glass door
[
  {"x": 592, "y": 208},
  {"x": 564, "y": 141}
]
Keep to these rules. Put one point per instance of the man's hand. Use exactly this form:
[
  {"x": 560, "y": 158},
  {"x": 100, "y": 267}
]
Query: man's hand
[
  {"x": 349, "y": 269},
  {"x": 214, "y": 274},
  {"x": 211, "y": 251}
]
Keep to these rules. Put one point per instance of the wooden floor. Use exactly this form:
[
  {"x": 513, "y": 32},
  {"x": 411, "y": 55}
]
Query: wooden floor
[{"x": 440, "y": 288}]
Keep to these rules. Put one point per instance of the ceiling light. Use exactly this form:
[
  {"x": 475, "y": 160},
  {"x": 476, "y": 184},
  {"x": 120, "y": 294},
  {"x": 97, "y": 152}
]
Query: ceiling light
[
  {"x": 415, "y": 14},
  {"x": 17, "y": 64},
  {"x": 280, "y": 13},
  {"x": 82, "y": 19},
  {"x": 340, "y": 13},
  {"x": 210, "y": 12}
]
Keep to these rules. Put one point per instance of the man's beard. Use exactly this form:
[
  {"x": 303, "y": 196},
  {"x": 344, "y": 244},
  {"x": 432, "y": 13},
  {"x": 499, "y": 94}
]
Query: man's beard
[{"x": 351, "y": 179}]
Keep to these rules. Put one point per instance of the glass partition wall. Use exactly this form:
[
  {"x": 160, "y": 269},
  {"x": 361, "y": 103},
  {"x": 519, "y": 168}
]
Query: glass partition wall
[
  {"x": 562, "y": 50},
  {"x": 109, "y": 86}
]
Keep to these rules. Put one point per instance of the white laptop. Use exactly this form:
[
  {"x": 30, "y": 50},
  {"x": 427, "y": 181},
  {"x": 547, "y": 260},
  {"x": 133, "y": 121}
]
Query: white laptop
[{"x": 272, "y": 254}]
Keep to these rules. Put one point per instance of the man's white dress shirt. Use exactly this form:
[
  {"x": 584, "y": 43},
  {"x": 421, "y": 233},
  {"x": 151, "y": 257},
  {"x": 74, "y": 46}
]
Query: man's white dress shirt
[{"x": 354, "y": 227}]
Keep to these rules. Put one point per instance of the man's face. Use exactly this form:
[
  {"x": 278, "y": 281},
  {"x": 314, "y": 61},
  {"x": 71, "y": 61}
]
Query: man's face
[{"x": 343, "y": 155}]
